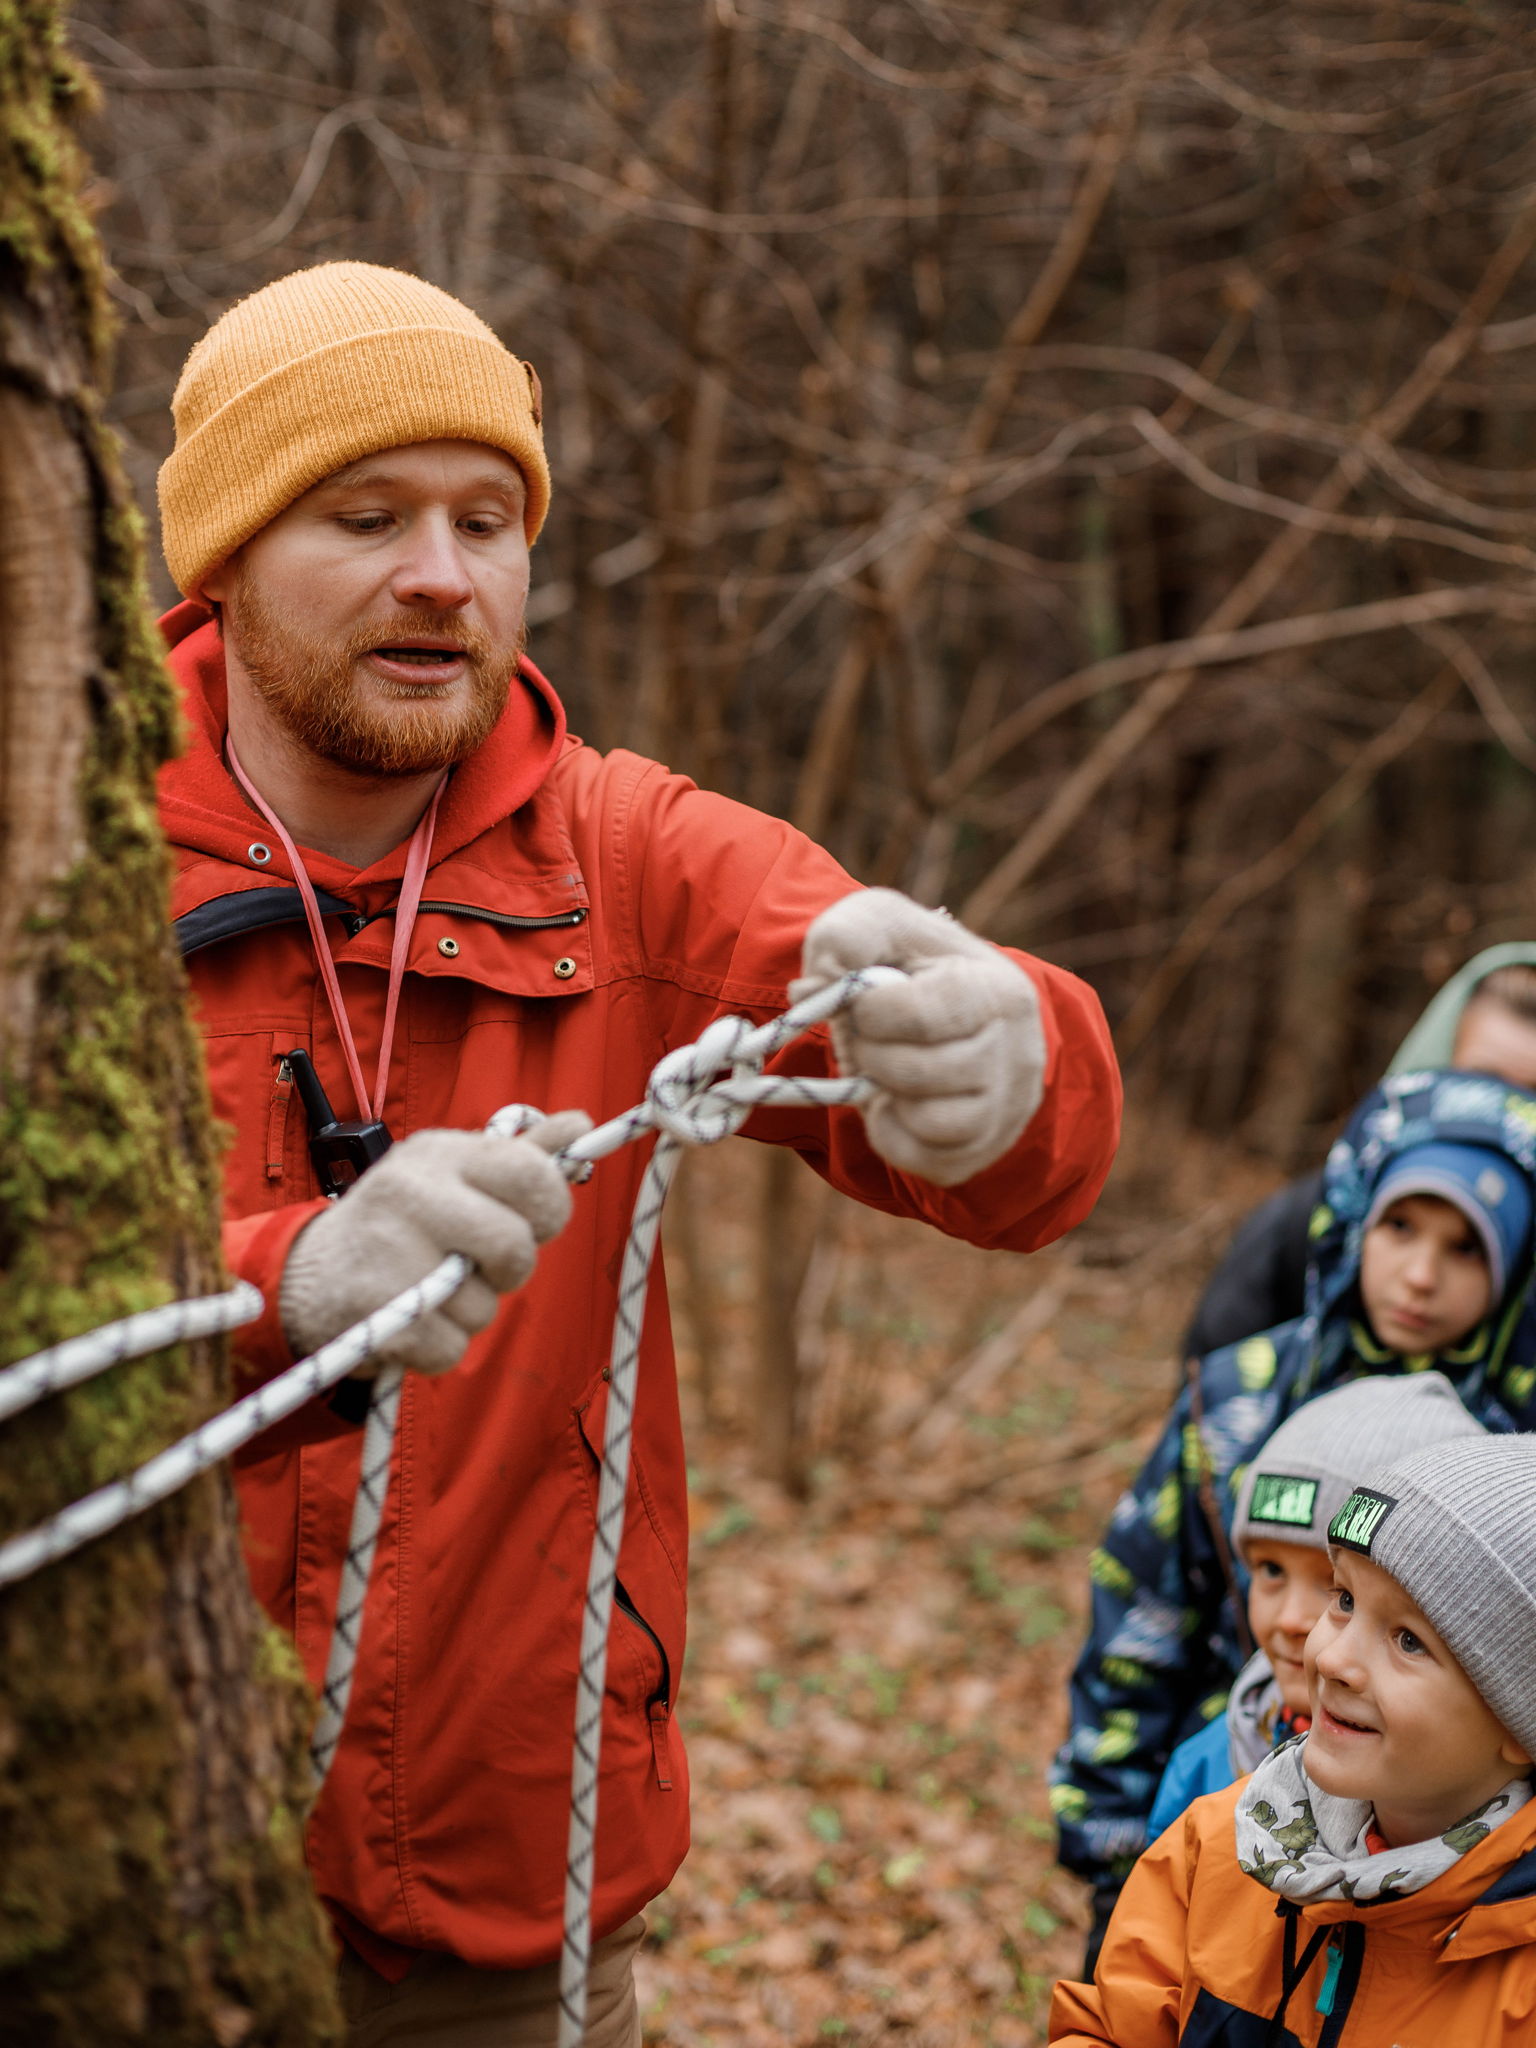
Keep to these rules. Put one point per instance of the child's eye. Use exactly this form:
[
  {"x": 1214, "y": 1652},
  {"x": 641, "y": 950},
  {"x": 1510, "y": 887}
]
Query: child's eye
[
  {"x": 1410, "y": 1644},
  {"x": 1344, "y": 1600},
  {"x": 1271, "y": 1571}
]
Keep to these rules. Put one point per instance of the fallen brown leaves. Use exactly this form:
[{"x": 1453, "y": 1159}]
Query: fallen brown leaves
[{"x": 876, "y": 1676}]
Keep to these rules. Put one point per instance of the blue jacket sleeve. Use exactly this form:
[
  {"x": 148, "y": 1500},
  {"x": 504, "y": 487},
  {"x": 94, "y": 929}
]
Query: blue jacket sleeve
[
  {"x": 1201, "y": 1763},
  {"x": 1161, "y": 1652}
]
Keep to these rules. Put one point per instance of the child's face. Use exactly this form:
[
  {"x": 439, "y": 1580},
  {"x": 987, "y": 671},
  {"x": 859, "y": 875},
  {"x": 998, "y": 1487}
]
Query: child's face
[
  {"x": 1292, "y": 1585},
  {"x": 1395, "y": 1719},
  {"x": 1423, "y": 1275}
]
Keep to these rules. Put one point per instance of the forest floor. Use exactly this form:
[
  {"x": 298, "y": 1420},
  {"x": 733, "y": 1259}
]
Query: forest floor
[{"x": 876, "y": 1674}]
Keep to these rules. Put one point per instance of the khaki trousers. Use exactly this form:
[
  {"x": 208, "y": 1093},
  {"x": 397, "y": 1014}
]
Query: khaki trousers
[{"x": 443, "y": 2003}]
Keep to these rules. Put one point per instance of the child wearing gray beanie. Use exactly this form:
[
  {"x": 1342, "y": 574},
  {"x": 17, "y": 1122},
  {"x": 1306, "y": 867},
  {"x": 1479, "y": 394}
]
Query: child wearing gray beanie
[
  {"x": 1296, "y": 1483},
  {"x": 1391, "y": 1850},
  {"x": 1421, "y": 1261}
]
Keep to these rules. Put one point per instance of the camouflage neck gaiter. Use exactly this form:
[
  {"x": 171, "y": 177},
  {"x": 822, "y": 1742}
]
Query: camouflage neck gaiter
[{"x": 1305, "y": 1845}]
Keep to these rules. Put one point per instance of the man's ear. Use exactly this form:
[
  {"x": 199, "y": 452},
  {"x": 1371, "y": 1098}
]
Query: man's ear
[{"x": 216, "y": 586}]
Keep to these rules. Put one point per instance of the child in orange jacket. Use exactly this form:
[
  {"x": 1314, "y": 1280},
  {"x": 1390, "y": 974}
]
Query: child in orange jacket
[{"x": 1375, "y": 1879}]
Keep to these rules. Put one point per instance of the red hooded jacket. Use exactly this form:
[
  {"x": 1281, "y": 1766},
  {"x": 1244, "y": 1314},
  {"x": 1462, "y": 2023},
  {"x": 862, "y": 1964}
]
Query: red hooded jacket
[{"x": 583, "y": 914}]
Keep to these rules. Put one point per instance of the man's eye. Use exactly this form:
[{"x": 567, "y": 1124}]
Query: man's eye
[
  {"x": 365, "y": 522},
  {"x": 483, "y": 523}
]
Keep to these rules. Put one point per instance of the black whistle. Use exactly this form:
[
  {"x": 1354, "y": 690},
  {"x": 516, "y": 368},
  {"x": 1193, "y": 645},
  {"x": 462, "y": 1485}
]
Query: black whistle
[{"x": 340, "y": 1153}]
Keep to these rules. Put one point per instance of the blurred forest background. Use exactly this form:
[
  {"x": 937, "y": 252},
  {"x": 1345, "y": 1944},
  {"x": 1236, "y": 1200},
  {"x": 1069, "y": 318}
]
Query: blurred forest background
[
  {"x": 1075, "y": 459},
  {"x": 922, "y": 375}
]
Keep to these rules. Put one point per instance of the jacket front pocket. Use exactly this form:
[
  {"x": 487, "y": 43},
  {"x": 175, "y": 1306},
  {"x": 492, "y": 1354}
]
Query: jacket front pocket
[
  {"x": 658, "y": 1706},
  {"x": 648, "y": 1622}
]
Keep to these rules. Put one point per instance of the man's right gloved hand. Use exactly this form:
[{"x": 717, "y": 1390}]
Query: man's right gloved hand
[{"x": 494, "y": 1199}]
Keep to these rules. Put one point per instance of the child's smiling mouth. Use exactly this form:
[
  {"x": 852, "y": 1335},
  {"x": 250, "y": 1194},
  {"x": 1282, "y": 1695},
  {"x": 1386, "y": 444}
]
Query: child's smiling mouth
[{"x": 1332, "y": 1723}]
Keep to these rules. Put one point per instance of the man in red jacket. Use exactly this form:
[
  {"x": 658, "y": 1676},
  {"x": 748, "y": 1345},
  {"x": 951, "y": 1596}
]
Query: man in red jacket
[{"x": 402, "y": 886}]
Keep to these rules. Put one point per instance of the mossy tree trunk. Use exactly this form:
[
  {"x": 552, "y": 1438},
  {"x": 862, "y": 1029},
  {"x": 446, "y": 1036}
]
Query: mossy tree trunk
[{"x": 152, "y": 1885}]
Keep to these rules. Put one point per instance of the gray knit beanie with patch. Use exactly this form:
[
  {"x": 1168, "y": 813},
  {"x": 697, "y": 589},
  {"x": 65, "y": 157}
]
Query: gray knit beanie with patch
[
  {"x": 1301, "y": 1477},
  {"x": 1456, "y": 1527}
]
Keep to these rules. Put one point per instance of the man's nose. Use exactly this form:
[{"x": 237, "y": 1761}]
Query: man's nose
[{"x": 431, "y": 568}]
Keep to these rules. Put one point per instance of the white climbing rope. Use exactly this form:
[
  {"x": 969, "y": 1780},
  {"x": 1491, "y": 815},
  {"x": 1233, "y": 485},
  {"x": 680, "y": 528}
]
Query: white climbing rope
[
  {"x": 171, "y": 1469},
  {"x": 152, "y": 1329},
  {"x": 687, "y": 1103}
]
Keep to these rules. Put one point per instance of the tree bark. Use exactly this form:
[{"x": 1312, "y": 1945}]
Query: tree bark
[{"x": 150, "y": 1723}]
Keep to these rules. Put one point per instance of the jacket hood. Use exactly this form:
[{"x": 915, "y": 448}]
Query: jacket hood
[
  {"x": 1405, "y": 1111},
  {"x": 1432, "y": 1039},
  {"x": 206, "y": 814}
]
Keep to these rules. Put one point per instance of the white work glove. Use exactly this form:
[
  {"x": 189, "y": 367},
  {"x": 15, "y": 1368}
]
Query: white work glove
[
  {"x": 957, "y": 1054},
  {"x": 494, "y": 1199}
]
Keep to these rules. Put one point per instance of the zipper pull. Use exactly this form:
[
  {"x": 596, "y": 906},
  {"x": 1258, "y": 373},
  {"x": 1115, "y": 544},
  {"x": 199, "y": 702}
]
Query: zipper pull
[
  {"x": 1329, "y": 1992},
  {"x": 277, "y": 1120},
  {"x": 661, "y": 1743}
]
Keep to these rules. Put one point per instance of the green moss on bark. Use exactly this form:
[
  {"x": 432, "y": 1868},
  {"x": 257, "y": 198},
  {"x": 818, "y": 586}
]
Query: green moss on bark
[{"x": 151, "y": 1876}]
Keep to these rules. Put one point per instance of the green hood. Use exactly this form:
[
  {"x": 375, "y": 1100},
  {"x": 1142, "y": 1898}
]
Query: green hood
[{"x": 1429, "y": 1043}]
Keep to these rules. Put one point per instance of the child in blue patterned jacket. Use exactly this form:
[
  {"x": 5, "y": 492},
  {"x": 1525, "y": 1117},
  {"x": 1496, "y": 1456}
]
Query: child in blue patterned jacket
[{"x": 1166, "y": 1639}]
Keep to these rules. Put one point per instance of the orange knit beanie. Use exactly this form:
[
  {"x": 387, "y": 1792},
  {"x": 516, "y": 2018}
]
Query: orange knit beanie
[{"x": 312, "y": 372}]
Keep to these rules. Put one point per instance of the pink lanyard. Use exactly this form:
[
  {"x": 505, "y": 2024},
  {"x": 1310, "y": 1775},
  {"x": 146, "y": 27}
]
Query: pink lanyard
[{"x": 417, "y": 861}]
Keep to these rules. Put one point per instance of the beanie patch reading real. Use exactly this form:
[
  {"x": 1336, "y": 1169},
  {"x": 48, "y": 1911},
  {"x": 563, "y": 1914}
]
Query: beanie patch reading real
[
  {"x": 1354, "y": 1526},
  {"x": 1283, "y": 1498}
]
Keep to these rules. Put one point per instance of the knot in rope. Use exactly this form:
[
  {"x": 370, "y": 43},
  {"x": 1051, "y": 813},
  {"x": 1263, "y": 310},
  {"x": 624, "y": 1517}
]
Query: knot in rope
[{"x": 688, "y": 1102}]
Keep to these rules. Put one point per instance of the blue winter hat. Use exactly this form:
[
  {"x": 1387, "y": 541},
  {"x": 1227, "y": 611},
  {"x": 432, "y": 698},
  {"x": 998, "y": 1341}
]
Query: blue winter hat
[{"x": 1486, "y": 1186}]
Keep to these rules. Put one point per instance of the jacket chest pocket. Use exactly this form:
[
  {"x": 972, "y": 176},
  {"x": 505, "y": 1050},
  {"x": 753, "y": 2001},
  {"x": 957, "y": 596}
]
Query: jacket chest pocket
[{"x": 267, "y": 1163}]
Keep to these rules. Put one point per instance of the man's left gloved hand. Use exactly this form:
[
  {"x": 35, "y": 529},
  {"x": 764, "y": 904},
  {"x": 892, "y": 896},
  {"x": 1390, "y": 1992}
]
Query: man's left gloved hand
[{"x": 957, "y": 1053}]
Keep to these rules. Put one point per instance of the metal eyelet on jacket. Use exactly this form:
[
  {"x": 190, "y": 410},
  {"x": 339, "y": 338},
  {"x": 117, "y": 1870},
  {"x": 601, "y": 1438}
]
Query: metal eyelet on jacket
[
  {"x": 258, "y": 853},
  {"x": 449, "y": 948},
  {"x": 565, "y": 968}
]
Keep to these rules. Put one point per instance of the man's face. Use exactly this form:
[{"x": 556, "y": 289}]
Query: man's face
[
  {"x": 380, "y": 616},
  {"x": 1395, "y": 1719},
  {"x": 1423, "y": 1275},
  {"x": 1492, "y": 1039},
  {"x": 1292, "y": 1584}
]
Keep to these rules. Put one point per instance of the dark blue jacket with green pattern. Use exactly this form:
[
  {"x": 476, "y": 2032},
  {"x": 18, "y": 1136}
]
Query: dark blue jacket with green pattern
[{"x": 1163, "y": 1645}]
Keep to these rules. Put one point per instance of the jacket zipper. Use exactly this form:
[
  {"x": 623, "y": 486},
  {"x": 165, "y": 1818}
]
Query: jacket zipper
[
  {"x": 522, "y": 924},
  {"x": 658, "y": 1705},
  {"x": 1352, "y": 1953}
]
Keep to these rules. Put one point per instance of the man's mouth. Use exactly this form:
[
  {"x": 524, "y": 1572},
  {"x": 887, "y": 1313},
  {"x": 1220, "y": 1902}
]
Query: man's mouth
[{"x": 421, "y": 657}]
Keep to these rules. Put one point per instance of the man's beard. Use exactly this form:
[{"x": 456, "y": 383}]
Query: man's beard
[{"x": 314, "y": 691}]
